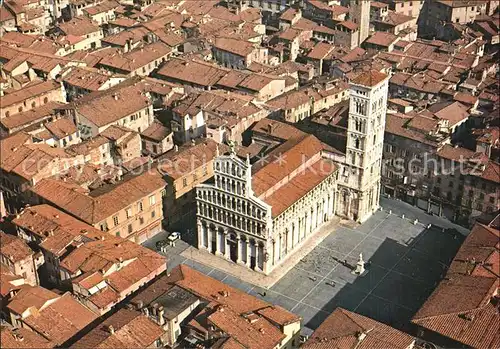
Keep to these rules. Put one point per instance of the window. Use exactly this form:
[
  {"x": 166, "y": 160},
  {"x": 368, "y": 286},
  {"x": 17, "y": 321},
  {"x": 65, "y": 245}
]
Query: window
[
  {"x": 104, "y": 227},
  {"x": 129, "y": 212},
  {"x": 163, "y": 193},
  {"x": 184, "y": 182},
  {"x": 153, "y": 214},
  {"x": 7, "y": 114},
  {"x": 130, "y": 229},
  {"x": 205, "y": 170},
  {"x": 45, "y": 100},
  {"x": 20, "y": 109},
  {"x": 140, "y": 207},
  {"x": 33, "y": 104},
  {"x": 141, "y": 220},
  {"x": 152, "y": 200},
  {"x": 115, "y": 220}
]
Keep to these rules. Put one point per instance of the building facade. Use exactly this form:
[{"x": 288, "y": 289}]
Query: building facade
[{"x": 258, "y": 224}]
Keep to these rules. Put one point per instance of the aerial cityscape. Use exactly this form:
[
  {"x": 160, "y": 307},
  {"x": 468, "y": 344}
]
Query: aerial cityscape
[{"x": 250, "y": 174}]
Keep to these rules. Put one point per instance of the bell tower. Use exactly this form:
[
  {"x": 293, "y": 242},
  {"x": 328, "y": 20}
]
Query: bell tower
[
  {"x": 359, "y": 13},
  {"x": 359, "y": 196}
]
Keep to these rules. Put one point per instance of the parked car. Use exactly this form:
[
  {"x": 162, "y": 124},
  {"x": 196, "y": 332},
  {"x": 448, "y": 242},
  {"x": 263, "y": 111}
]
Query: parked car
[
  {"x": 160, "y": 245},
  {"x": 174, "y": 236}
]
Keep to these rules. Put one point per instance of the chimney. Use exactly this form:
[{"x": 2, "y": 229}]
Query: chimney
[
  {"x": 140, "y": 305},
  {"x": 270, "y": 128},
  {"x": 176, "y": 148},
  {"x": 193, "y": 142},
  {"x": 111, "y": 329},
  {"x": 145, "y": 311},
  {"x": 154, "y": 310},
  {"x": 161, "y": 319},
  {"x": 361, "y": 336}
]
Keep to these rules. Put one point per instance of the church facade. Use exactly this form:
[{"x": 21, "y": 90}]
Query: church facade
[{"x": 253, "y": 217}]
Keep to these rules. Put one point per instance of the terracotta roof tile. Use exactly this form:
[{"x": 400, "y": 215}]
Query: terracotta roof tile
[
  {"x": 196, "y": 72},
  {"x": 282, "y": 161},
  {"x": 300, "y": 185},
  {"x": 131, "y": 330},
  {"x": 79, "y": 26},
  {"x": 156, "y": 132},
  {"x": 20, "y": 338},
  {"x": 56, "y": 229},
  {"x": 462, "y": 307},
  {"x": 62, "y": 319},
  {"x": 211, "y": 290},
  {"x": 369, "y": 79},
  {"x": 105, "y": 107},
  {"x": 61, "y": 127},
  {"x": 29, "y": 91},
  {"x": 30, "y": 296},
  {"x": 253, "y": 334},
  {"x": 93, "y": 210},
  {"x": 342, "y": 329},
  {"x": 237, "y": 47},
  {"x": 14, "y": 248},
  {"x": 382, "y": 39}
]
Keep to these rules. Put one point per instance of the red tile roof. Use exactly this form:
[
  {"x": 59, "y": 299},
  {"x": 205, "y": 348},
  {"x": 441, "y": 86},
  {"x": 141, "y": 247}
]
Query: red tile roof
[
  {"x": 21, "y": 338},
  {"x": 55, "y": 229},
  {"x": 284, "y": 160},
  {"x": 382, "y": 39},
  {"x": 94, "y": 209},
  {"x": 463, "y": 307},
  {"x": 131, "y": 330},
  {"x": 216, "y": 292},
  {"x": 257, "y": 333},
  {"x": 369, "y": 79},
  {"x": 343, "y": 330},
  {"x": 62, "y": 319},
  {"x": 14, "y": 248},
  {"x": 300, "y": 185}
]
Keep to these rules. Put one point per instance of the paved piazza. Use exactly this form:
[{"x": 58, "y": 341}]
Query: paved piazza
[{"x": 405, "y": 262}]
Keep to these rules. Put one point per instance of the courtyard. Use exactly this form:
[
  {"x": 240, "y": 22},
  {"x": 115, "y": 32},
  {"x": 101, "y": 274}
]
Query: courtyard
[{"x": 405, "y": 261}]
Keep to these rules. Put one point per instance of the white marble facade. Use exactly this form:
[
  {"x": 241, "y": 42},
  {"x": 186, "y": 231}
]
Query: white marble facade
[{"x": 236, "y": 225}]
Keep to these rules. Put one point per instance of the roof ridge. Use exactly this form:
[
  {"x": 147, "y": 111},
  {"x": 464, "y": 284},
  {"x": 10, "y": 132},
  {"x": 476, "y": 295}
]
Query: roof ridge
[{"x": 448, "y": 314}]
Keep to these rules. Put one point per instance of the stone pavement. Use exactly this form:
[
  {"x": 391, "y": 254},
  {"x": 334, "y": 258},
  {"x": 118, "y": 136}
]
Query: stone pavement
[{"x": 259, "y": 279}]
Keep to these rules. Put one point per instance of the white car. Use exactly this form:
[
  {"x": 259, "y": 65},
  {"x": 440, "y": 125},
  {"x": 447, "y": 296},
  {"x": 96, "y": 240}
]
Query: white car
[{"x": 174, "y": 236}]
